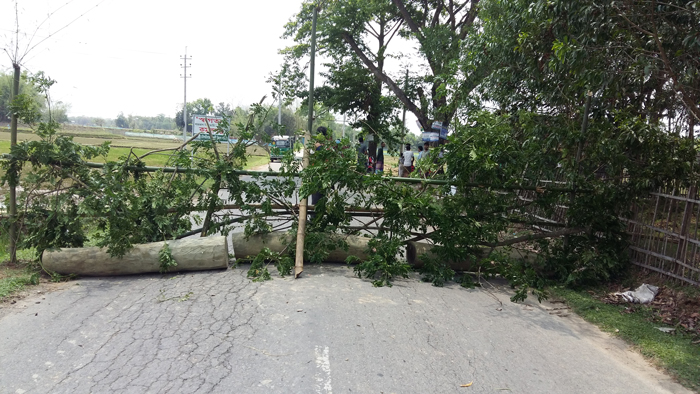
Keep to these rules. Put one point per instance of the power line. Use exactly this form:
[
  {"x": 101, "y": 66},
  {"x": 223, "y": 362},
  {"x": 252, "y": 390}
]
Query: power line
[{"x": 29, "y": 49}]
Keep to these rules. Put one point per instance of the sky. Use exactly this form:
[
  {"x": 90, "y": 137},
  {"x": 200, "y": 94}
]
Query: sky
[
  {"x": 124, "y": 55},
  {"x": 112, "y": 56}
]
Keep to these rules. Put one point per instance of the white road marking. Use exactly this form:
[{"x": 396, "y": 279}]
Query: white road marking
[{"x": 323, "y": 376}]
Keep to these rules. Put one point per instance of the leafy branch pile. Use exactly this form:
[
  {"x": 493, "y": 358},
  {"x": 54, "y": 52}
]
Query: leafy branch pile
[{"x": 586, "y": 97}]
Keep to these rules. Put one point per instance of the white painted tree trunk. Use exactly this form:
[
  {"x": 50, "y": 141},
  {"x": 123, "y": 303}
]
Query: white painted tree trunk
[
  {"x": 244, "y": 249},
  {"x": 192, "y": 254}
]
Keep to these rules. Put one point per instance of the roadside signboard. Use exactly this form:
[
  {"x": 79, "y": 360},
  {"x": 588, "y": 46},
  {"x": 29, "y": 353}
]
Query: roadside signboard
[
  {"x": 443, "y": 133},
  {"x": 199, "y": 125},
  {"x": 431, "y": 136},
  {"x": 437, "y": 132}
]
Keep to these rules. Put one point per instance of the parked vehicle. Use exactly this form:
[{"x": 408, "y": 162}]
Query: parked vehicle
[{"x": 279, "y": 146}]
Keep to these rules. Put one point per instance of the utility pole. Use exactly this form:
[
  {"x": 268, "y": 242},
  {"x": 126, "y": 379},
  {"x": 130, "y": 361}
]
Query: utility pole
[
  {"x": 403, "y": 118},
  {"x": 14, "y": 231},
  {"x": 344, "y": 117},
  {"x": 184, "y": 65},
  {"x": 279, "y": 102}
]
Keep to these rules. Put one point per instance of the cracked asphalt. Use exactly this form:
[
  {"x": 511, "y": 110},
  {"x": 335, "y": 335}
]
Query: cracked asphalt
[{"x": 218, "y": 332}]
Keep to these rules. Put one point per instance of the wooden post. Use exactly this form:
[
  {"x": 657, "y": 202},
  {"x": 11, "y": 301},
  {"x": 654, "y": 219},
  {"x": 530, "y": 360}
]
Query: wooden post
[
  {"x": 688, "y": 212},
  {"x": 579, "y": 153},
  {"x": 301, "y": 228}
]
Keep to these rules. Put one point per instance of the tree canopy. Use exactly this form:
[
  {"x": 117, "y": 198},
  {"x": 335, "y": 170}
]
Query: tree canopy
[{"x": 26, "y": 88}]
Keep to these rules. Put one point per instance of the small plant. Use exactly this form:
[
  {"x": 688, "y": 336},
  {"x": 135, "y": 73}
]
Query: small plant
[
  {"x": 184, "y": 297},
  {"x": 165, "y": 258},
  {"x": 258, "y": 268},
  {"x": 382, "y": 265}
]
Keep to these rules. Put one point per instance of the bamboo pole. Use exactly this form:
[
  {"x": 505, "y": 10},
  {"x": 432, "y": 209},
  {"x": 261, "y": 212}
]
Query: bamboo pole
[
  {"x": 539, "y": 189},
  {"x": 301, "y": 227}
]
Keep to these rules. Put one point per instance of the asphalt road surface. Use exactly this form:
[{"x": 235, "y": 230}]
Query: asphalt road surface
[{"x": 327, "y": 332}]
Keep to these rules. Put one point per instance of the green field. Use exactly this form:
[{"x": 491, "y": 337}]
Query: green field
[{"x": 121, "y": 145}]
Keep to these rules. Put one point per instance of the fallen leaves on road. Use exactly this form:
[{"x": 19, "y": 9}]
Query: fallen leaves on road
[{"x": 468, "y": 384}]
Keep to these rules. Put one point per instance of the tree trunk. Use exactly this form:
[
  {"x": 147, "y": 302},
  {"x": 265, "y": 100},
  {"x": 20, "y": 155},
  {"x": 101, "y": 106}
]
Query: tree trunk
[
  {"x": 13, "y": 189},
  {"x": 246, "y": 249},
  {"x": 192, "y": 254},
  {"x": 414, "y": 251}
]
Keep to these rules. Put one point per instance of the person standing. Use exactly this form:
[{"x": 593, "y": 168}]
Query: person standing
[
  {"x": 362, "y": 155},
  {"x": 380, "y": 159},
  {"x": 407, "y": 161}
]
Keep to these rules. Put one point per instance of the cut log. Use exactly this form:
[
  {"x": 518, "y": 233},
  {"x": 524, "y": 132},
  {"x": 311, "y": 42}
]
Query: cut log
[
  {"x": 247, "y": 249},
  {"x": 414, "y": 251},
  {"x": 192, "y": 254}
]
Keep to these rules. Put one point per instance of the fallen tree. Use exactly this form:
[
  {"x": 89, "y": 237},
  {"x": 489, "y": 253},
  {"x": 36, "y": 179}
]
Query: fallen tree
[{"x": 192, "y": 254}]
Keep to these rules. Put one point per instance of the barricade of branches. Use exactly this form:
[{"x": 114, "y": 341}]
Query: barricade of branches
[{"x": 468, "y": 217}]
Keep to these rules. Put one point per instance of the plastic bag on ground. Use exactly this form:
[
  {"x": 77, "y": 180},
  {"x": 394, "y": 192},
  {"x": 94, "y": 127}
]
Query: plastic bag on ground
[{"x": 643, "y": 295}]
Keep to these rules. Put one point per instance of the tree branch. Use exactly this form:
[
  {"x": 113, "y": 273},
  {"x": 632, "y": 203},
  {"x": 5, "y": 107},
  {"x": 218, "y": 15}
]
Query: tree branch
[
  {"x": 533, "y": 237},
  {"x": 422, "y": 118},
  {"x": 468, "y": 19},
  {"x": 436, "y": 15},
  {"x": 407, "y": 18}
]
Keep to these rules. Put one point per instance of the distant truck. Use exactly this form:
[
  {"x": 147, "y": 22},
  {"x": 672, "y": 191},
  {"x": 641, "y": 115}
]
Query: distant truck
[{"x": 280, "y": 145}]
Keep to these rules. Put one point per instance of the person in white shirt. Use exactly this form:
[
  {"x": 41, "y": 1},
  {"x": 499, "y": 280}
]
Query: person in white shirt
[{"x": 407, "y": 161}]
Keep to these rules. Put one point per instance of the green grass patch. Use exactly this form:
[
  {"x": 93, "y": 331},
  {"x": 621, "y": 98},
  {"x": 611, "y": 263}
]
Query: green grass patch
[
  {"x": 257, "y": 155},
  {"x": 14, "y": 283},
  {"x": 674, "y": 352},
  {"x": 17, "y": 277},
  {"x": 255, "y": 161}
]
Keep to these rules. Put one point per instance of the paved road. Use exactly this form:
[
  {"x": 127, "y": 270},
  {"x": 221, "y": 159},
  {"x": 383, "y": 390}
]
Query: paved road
[{"x": 328, "y": 332}]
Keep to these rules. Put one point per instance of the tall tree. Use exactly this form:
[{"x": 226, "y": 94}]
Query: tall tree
[
  {"x": 633, "y": 56},
  {"x": 198, "y": 107},
  {"x": 121, "y": 121},
  {"x": 356, "y": 35},
  {"x": 223, "y": 109},
  {"x": 26, "y": 88},
  {"x": 58, "y": 112},
  {"x": 351, "y": 87}
]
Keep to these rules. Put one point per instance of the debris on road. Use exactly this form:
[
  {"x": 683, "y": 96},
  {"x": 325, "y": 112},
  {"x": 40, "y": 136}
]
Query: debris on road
[{"x": 643, "y": 295}]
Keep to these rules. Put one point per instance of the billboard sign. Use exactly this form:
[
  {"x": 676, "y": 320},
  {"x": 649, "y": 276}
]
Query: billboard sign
[
  {"x": 199, "y": 125},
  {"x": 443, "y": 133},
  {"x": 431, "y": 137},
  {"x": 437, "y": 127}
]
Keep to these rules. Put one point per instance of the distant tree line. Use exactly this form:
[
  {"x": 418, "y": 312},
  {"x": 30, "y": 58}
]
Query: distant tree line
[{"x": 58, "y": 110}]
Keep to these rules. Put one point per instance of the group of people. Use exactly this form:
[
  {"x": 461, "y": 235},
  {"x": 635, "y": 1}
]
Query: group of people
[
  {"x": 365, "y": 162},
  {"x": 408, "y": 161}
]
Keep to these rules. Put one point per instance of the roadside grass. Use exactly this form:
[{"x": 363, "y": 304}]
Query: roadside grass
[
  {"x": 391, "y": 165},
  {"x": 676, "y": 353},
  {"x": 16, "y": 278},
  {"x": 13, "y": 280},
  {"x": 257, "y": 155},
  {"x": 255, "y": 161}
]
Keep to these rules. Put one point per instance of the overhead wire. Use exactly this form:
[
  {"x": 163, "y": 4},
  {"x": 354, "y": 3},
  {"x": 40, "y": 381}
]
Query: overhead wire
[{"x": 59, "y": 30}]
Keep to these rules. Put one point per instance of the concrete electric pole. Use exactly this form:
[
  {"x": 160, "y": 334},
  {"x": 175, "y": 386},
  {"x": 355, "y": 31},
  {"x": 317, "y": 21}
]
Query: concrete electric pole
[{"x": 184, "y": 65}]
